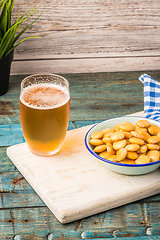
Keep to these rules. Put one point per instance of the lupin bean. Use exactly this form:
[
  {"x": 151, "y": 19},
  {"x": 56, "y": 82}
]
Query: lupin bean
[
  {"x": 132, "y": 147},
  {"x": 105, "y": 130},
  {"x": 153, "y": 155},
  {"x": 121, "y": 154},
  {"x": 110, "y": 149},
  {"x": 142, "y": 159},
  {"x": 100, "y": 148},
  {"x": 153, "y": 139},
  {"x": 144, "y": 133},
  {"x": 126, "y": 127},
  {"x": 152, "y": 146},
  {"x": 112, "y": 158},
  {"x": 137, "y": 134},
  {"x": 127, "y": 161},
  {"x": 104, "y": 154},
  {"x": 96, "y": 141},
  {"x": 136, "y": 140},
  {"x": 153, "y": 129},
  {"x": 132, "y": 155},
  {"x": 97, "y": 134},
  {"x": 127, "y": 134},
  {"x": 106, "y": 140},
  {"x": 143, "y": 123},
  {"x": 109, "y": 132},
  {"x": 142, "y": 149},
  {"x": 128, "y": 143},
  {"x": 116, "y": 136},
  {"x": 119, "y": 144}
]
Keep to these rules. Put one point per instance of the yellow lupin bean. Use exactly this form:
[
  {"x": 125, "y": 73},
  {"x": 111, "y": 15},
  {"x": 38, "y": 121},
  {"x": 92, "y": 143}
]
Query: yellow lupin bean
[
  {"x": 132, "y": 155},
  {"x": 136, "y": 126},
  {"x": 112, "y": 158},
  {"x": 121, "y": 154},
  {"x": 136, "y": 140},
  {"x": 132, "y": 147},
  {"x": 126, "y": 127},
  {"x": 116, "y": 136},
  {"x": 127, "y": 143},
  {"x": 97, "y": 134},
  {"x": 105, "y": 130},
  {"x": 96, "y": 141},
  {"x": 143, "y": 149},
  {"x": 110, "y": 149},
  {"x": 127, "y": 134},
  {"x": 153, "y": 129},
  {"x": 143, "y": 123},
  {"x": 119, "y": 144},
  {"x": 153, "y": 155},
  {"x": 137, "y": 134},
  {"x": 106, "y": 140},
  {"x": 127, "y": 140},
  {"x": 104, "y": 154},
  {"x": 153, "y": 139},
  {"x": 100, "y": 148},
  {"x": 117, "y": 128},
  {"x": 142, "y": 159},
  {"x": 127, "y": 161},
  {"x": 142, "y": 154},
  {"x": 144, "y": 133},
  {"x": 152, "y": 146},
  {"x": 133, "y": 127},
  {"x": 140, "y": 129},
  {"x": 108, "y": 133}
]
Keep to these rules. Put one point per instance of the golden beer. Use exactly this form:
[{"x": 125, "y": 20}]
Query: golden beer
[{"x": 44, "y": 114}]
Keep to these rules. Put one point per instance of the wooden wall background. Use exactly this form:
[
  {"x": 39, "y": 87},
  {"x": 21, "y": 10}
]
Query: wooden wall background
[{"x": 90, "y": 36}]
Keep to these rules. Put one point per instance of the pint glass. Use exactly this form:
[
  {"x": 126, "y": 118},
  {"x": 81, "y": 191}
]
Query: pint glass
[{"x": 44, "y": 112}]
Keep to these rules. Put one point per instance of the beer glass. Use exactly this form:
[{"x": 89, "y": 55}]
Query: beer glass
[{"x": 44, "y": 112}]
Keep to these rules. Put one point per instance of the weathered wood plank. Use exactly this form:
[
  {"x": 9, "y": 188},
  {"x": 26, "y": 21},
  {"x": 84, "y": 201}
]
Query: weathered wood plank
[
  {"x": 16, "y": 192},
  {"x": 5, "y": 163},
  {"x": 39, "y": 223},
  {"x": 129, "y": 215},
  {"x": 85, "y": 65},
  {"x": 104, "y": 97},
  {"x": 107, "y": 95},
  {"x": 23, "y": 215},
  {"x": 11, "y": 134},
  {"x": 6, "y": 227},
  {"x": 90, "y": 29}
]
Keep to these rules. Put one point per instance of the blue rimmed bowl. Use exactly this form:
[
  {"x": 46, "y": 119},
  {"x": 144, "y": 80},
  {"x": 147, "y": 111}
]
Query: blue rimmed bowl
[{"x": 127, "y": 169}]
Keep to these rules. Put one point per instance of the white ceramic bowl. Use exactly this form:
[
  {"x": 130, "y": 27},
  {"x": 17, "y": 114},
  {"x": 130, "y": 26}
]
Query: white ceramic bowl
[{"x": 128, "y": 169}]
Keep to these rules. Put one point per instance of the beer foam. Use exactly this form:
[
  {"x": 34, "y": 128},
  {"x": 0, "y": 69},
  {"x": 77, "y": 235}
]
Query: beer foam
[{"x": 44, "y": 96}]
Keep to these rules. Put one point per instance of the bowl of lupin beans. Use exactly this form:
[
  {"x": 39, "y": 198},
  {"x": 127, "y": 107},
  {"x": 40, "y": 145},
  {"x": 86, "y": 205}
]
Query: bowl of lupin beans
[{"x": 128, "y": 145}]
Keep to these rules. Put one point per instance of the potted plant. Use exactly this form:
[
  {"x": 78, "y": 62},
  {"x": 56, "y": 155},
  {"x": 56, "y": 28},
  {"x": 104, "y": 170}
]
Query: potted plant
[{"x": 9, "y": 35}]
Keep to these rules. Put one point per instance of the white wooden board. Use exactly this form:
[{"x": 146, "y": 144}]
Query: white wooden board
[{"x": 74, "y": 184}]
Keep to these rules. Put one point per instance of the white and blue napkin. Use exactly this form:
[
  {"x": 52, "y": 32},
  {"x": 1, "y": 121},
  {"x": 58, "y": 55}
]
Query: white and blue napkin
[{"x": 151, "y": 97}]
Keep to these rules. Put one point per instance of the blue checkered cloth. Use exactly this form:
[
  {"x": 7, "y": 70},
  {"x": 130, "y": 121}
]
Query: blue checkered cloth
[{"x": 151, "y": 97}]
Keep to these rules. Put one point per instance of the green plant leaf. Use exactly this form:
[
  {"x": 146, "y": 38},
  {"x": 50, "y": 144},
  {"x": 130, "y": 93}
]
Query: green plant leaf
[
  {"x": 2, "y": 4},
  {"x": 9, "y": 33},
  {"x": 8, "y": 38},
  {"x": 20, "y": 43},
  {"x": 28, "y": 26}
]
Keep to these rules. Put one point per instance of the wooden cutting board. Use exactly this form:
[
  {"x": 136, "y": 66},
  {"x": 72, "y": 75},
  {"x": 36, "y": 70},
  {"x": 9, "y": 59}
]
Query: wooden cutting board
[{"x": 74, "y": 184}]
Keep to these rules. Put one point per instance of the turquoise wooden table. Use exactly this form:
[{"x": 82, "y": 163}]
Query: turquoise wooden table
[{"x": 23, "y": 215}]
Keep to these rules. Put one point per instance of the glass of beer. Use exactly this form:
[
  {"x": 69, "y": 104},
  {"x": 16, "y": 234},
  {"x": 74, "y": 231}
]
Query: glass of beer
[{"x": 44, "y": 112}]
